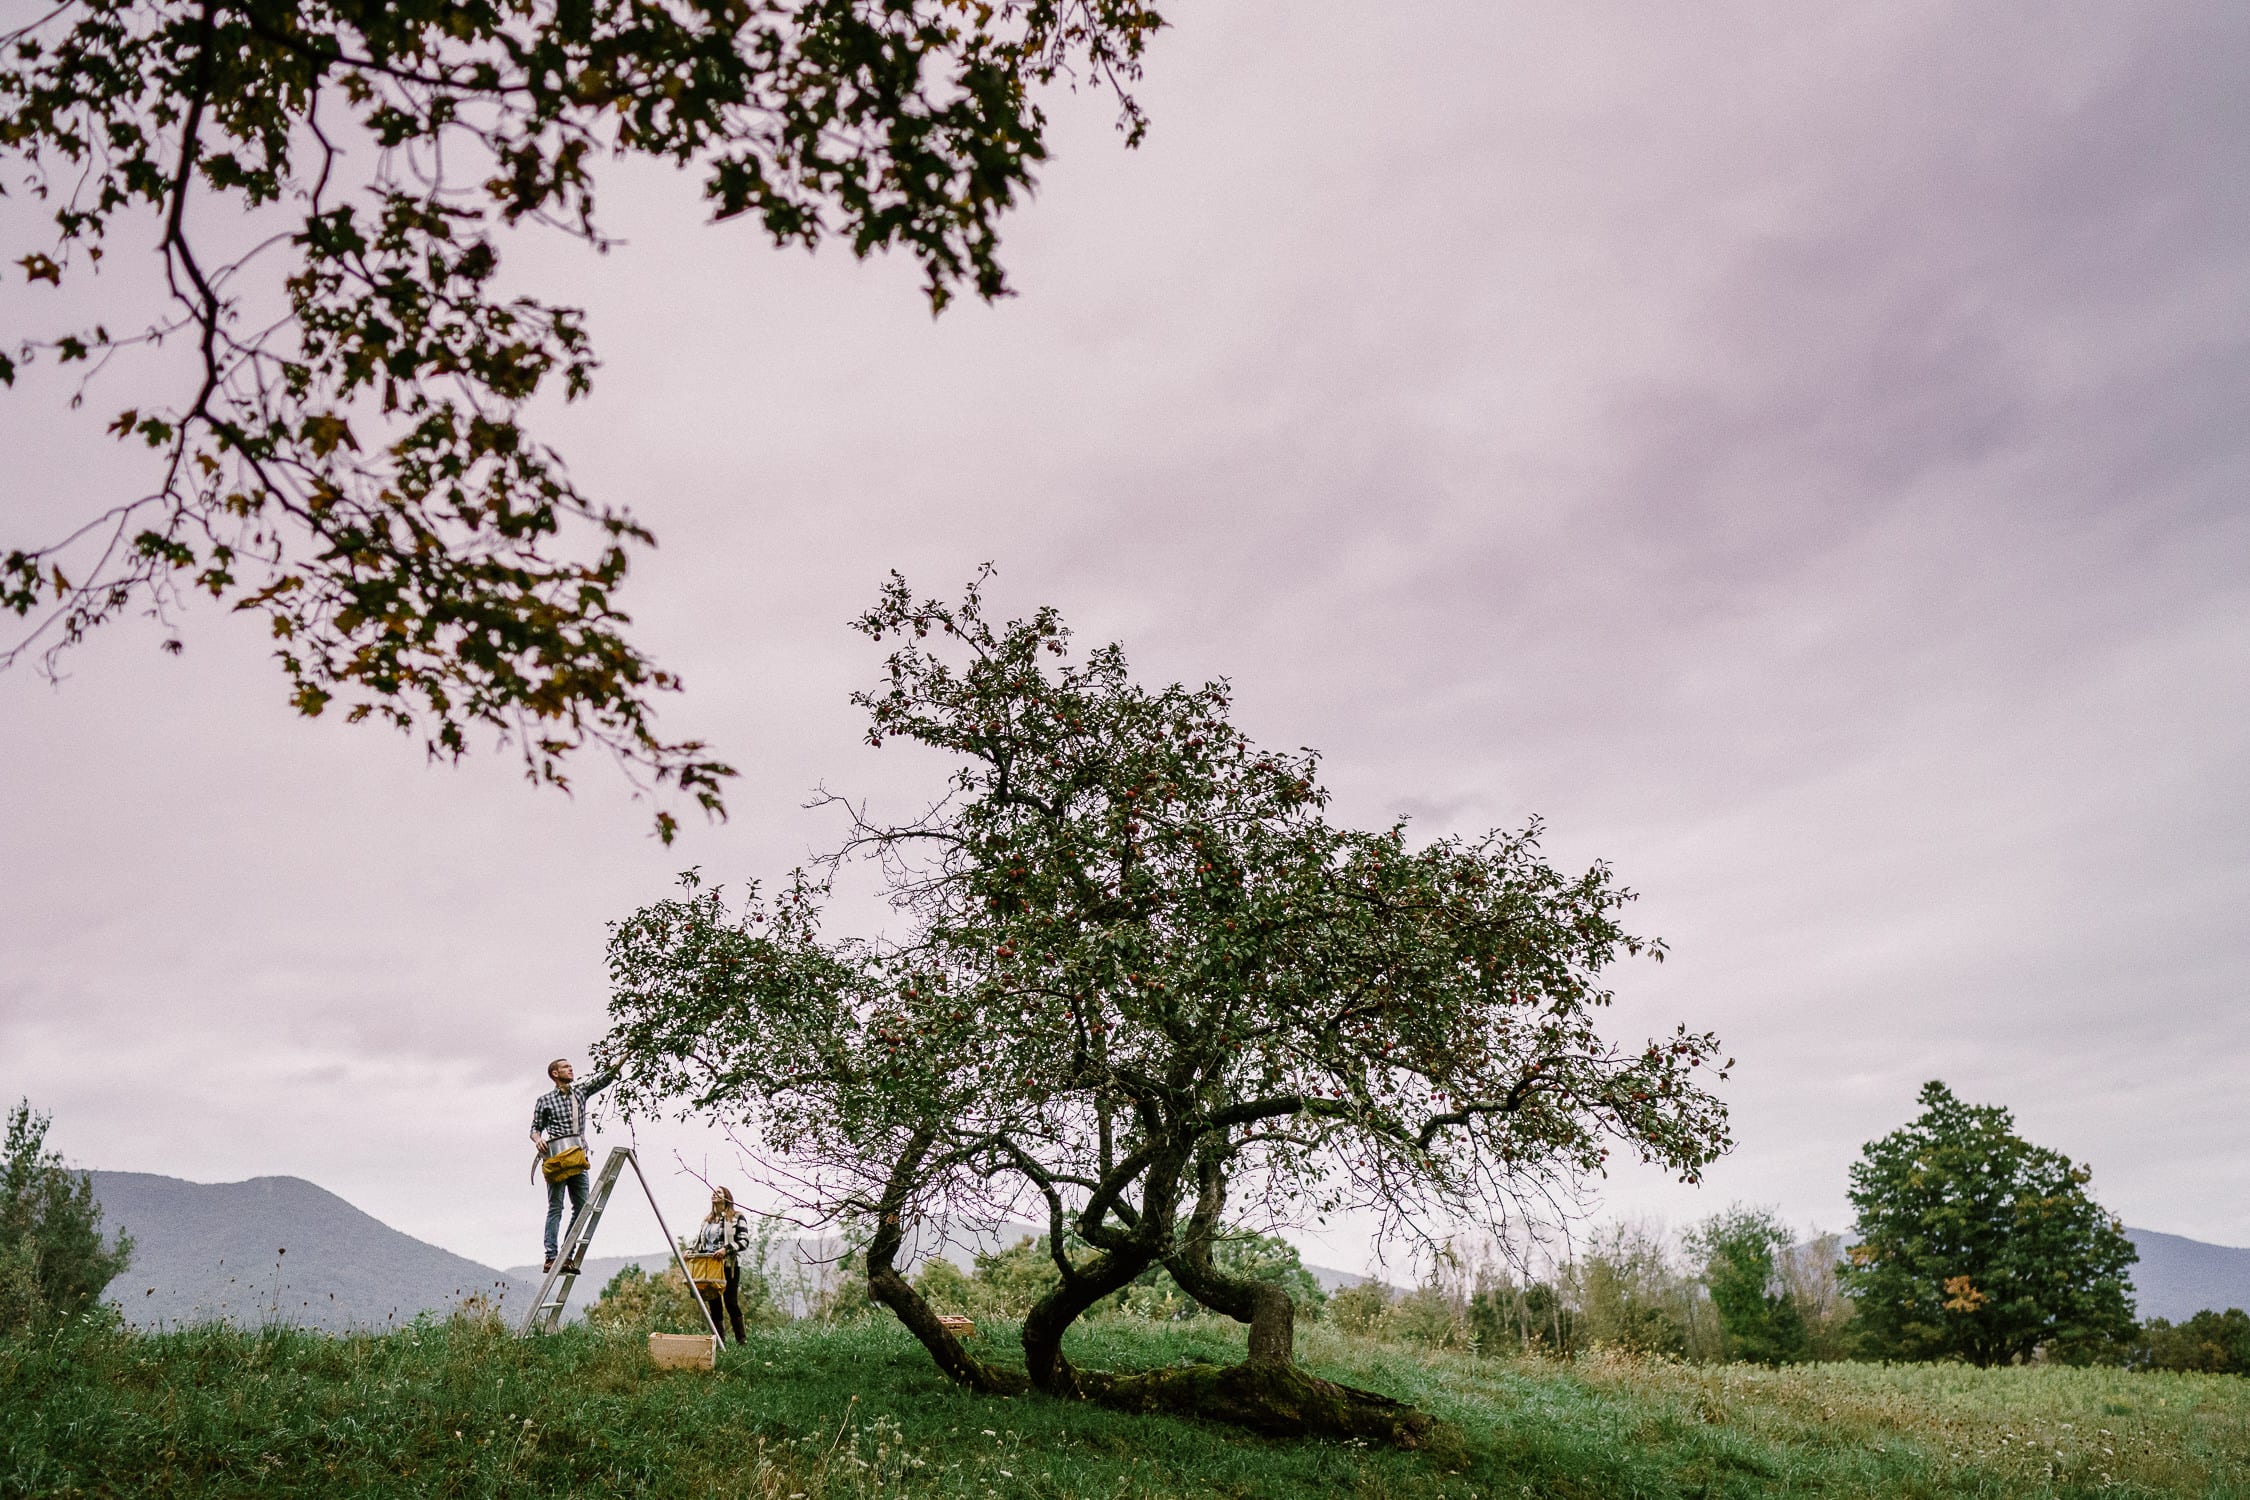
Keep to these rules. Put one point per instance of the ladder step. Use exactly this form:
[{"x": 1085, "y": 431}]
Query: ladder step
[{"x": 547, "y": 1312}]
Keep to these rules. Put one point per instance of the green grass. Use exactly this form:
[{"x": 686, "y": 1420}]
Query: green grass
[{"x": 822, "y": 1413}]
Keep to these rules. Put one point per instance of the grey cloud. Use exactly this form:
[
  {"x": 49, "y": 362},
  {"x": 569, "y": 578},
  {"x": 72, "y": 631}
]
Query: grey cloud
[{"x": 1800, "y": 454}]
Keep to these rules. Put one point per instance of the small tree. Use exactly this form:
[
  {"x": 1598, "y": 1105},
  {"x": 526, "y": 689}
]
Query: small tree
[
  {"x": 1742, "y": 1253},
  {"x": 1628, "y": 1293},
  {"x": 1505, "y": 1315},
  {"x": 1808, "y": 1272},
  {"x": 1434, "y": 1315},
  {"x": 1143, "y": 988},
  {"x": 1975, "y": 1244},
  {"x": 53, "y": 1263}
]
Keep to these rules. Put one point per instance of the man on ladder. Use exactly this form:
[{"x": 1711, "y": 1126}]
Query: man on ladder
[{"x": 558, "y": 1130}]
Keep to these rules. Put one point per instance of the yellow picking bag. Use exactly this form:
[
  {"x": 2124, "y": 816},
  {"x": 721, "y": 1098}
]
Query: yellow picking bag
[{"x": 564, "y": 1164}]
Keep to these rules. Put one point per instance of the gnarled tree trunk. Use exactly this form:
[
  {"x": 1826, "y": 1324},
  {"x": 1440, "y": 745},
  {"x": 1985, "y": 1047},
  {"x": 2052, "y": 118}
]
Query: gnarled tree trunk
[
  {"x": 1051, "y": 1316},
  {"x": 886, "y": 1285},
  {"x": 1267, "y": 1308},
  {"x": 1123, "y": 1257},
  {"x": 1266, "y": 1392}
]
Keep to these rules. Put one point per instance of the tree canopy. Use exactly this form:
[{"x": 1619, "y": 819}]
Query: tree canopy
[
  {"x": 2216, "y": 1343},
  {"x": 1975, "y": 1244},
  {"x": 330, "y": 186},
  {"x": 1141, "y": 987}
]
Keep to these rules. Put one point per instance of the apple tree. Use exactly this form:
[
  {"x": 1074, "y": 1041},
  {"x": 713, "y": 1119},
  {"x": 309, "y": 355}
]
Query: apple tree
[{"x": 1141, "y": 986}]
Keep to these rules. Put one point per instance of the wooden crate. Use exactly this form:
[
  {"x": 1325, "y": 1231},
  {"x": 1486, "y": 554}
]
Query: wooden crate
[
  {"x": 683, "y": 1351},
  {"x": 960, "y": 1328}
]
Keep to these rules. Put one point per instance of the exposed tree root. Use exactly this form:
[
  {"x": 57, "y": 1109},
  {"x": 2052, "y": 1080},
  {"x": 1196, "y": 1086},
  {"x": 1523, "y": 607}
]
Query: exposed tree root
[{"x": 1269, "y": 1397}]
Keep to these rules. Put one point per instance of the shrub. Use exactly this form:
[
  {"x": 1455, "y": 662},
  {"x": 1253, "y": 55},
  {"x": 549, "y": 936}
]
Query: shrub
[
  {"x": 1361, "y": 1309},
  {"x": 1009, "y": 1281},
  {"x": 1153, "y": 1295},
  {"x": 947, "y": 1288},
  {"x": 1004, "y": 1284},
  {"x": 636, "y": 1302},
  {"x": 1433, "y": 1315},
  {"x": 53, "y": 1264}
]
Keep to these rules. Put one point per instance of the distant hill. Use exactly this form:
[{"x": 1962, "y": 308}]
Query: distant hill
[
  {"x": 2179, "y": 1277},
  {"x": 214, "y": 1251},
  {"x": 276, "y": 1249},
  {"x": 282, "y": 1249}
]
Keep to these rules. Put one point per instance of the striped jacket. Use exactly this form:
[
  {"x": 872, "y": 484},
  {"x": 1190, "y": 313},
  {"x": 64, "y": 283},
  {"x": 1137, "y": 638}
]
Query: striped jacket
[{"x": 729, "y": 1236}]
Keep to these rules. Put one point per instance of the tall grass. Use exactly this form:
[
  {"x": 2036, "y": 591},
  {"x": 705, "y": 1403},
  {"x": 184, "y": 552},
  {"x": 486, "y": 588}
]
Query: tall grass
[{"x": 804, "y": 1412}]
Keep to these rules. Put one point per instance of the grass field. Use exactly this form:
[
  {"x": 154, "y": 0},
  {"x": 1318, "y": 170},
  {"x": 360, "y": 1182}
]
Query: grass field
[{"x": 812, "y": 1413}]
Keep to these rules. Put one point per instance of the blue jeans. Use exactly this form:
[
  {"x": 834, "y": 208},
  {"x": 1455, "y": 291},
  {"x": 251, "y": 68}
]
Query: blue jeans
[{"x": 575, "y": 1185}]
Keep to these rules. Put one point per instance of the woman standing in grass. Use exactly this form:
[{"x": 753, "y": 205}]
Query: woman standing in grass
[{"x": 725, "y": 1232}]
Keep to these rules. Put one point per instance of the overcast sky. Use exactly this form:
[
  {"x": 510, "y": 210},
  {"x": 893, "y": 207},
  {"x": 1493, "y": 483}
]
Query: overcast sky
[{"x": 1800, "y": 452}]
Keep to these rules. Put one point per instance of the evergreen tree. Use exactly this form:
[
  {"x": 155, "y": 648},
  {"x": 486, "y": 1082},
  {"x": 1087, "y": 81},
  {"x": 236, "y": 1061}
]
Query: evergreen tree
[{"x": 1975, "y": 1244}]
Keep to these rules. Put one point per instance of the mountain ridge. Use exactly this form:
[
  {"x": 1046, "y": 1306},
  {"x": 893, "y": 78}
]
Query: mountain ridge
[
  {"x": 282, "y": 1249},
  {"x": 276, "y": 1249}
]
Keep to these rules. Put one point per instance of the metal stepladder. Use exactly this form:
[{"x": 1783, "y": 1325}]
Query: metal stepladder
[{"x": 554, "y": 1291}]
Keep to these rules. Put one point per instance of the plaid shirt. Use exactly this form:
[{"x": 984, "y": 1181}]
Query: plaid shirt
[{"x": 563, "y": 1111}]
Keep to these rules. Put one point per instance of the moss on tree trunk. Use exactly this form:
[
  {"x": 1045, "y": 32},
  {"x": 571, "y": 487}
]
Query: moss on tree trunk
[
  {"x": 1266, "y": 1392},
  {"x": 1050, "y": 1318},
  {"x": 1272, "y": 1397}
]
